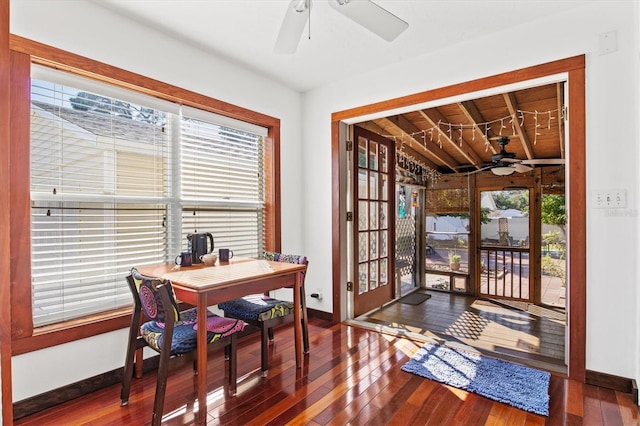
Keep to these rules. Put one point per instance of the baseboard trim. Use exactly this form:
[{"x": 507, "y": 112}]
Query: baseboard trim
[
  {"x": 49, "y": 399},
  {"x": 57, "y": 396},
  {"x": 314, "y": 313},
  {"x": 609, "y": 381}
]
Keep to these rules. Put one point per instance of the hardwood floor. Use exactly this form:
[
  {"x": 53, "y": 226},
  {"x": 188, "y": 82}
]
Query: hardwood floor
[
  {"x": 514, "y": 331},
  {"x": 351, "y": 376}
]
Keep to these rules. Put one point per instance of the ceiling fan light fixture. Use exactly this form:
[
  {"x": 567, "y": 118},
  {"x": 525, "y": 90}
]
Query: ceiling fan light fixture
[{"x": 503, "y": 170}]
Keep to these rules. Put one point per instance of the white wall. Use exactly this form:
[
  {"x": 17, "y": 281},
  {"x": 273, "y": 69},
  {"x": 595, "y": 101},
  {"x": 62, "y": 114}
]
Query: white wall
[
  {"x": 91, "y": 31},
  {"x": 612, "y": 154},
  {"x": 612, "y": 111}
]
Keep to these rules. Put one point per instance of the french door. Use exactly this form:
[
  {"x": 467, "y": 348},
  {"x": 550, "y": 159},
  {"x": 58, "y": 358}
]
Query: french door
[{"x": 374, "y": 166}]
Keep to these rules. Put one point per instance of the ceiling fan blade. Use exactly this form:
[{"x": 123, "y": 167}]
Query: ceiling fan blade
[
  {"x": 542, "y": 161},
  {"x": 371, "y": 16},
  {"x": 522, "y": 168},
  {"x": 509, "y": 160},
  {"x": 482, "y": 169},
  {"x": 292, "y": 26}
]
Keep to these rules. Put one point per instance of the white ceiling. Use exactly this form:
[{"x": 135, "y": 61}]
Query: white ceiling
[{"x": 244, "y": 31}]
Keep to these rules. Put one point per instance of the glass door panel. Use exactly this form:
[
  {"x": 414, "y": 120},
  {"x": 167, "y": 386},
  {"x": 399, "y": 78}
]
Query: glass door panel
[{"x": 374, "y": 218}]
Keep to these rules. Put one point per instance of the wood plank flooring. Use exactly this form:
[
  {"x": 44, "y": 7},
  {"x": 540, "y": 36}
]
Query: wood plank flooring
[
  {"x": 351, "y": 376},
  {"x": 514, "y": 331}
]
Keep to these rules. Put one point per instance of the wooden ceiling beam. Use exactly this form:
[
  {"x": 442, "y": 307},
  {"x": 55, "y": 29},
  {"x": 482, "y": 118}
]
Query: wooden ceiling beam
[
  {"x": 475, "y": 123},
  {"x": 560, "y": 98},
  {"x": 376, "y": 128},
  {"x": 471, "y": 111},
  {"x": 408, "y": 129},
  {"x": 433, "y": 117},
  {"x": 373, "y": 127},
  {"x": 512, "y": 105}
]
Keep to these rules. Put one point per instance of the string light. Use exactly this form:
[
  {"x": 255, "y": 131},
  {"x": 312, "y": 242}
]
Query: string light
[
  {"x": 418, "y": 170},
  {"x": 535, "y": 128},
  {"x": 519, "y": 115}
]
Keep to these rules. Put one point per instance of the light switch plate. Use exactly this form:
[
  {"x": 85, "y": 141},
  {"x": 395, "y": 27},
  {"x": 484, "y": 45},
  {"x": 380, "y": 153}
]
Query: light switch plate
[
  {"x": 608, "y": 42},
  {"x": 610, "y": 199}
]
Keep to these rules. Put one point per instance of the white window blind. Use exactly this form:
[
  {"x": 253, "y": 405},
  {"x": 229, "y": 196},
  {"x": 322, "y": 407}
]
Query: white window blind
[
  {"x": 98, "y": 189},
  {"x": 118, "y": 179},
  {"x": 222, "y": 185}
]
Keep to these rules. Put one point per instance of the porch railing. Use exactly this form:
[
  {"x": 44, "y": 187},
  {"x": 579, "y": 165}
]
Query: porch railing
[{"x": 505, "y": 273}]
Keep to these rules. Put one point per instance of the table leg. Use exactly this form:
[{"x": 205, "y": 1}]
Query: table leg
[
  {"x": 202, "y": 360},
  {"x": 297, "y": 329}
]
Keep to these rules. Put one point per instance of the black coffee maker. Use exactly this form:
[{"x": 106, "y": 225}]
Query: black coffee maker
[{"x": 199, "y": 244}]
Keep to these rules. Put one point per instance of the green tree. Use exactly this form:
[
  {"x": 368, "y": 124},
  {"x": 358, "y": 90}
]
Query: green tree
[
  {"x": 484, "y": 215},
  {"x": 514, "y": 199},
  {"x": 84, "y": 101},
  {"x": 554, "y": 211}
]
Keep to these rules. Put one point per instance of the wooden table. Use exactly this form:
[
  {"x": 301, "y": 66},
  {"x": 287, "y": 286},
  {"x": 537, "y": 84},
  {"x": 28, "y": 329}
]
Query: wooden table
[{"x": 204, "y": 286}]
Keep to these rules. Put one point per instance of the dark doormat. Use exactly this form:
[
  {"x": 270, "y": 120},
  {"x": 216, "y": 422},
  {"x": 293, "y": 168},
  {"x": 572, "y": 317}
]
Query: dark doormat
[{"x": 414, "y": 298}]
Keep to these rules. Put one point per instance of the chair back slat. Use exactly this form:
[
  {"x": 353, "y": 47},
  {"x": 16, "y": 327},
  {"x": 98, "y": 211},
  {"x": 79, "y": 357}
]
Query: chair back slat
[{"x": 147, "y": 292}]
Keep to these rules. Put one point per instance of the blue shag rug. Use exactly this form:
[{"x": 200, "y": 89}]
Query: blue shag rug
[{"x": 522, "y": 387}]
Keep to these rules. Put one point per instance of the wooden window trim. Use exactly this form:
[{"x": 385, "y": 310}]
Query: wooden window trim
[
  {"x": 5, "y": 214},
  {"x": 24, "y": 52}
]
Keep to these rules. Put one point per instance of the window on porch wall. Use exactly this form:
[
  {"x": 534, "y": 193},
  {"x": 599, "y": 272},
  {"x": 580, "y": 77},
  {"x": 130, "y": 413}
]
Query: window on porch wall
[{"x": 447, "y": 239}]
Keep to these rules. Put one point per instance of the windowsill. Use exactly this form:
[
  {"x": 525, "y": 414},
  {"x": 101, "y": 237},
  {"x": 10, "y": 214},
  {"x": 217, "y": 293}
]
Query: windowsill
[
  {"x": 446, "y": 271},
  {"x": 69, "y": 331}
]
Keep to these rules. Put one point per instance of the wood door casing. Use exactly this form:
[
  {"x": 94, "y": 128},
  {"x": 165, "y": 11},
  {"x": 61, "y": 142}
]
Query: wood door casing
[
  {"x": 574, "y": 67},
  {"x": 374, "y": 236}
]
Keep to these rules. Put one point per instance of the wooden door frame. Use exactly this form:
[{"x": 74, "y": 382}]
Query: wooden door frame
[{"x": 574, "y": 68}]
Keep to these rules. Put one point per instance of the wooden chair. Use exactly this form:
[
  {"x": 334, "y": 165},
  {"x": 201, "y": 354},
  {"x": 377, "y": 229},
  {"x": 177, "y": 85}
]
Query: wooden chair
[
  {"x": 265, "y": 312},
  {"x": 171, "y": 333}
]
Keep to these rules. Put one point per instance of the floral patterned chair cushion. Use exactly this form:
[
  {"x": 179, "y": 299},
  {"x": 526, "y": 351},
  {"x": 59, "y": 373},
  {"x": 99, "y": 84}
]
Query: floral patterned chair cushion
[
  {"x": 147, "y": 288},
  {"x": 256, "y": 307},
  {"x": 261, "y": 307},
  {"x": 185, "y": 330}
]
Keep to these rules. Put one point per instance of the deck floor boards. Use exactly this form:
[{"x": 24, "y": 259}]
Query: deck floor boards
[{"x": 536, "y": 336}]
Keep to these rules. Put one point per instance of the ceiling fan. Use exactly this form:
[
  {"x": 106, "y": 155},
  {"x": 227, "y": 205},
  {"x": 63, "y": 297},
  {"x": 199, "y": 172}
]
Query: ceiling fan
[
  {"x": 364, "y": 12},
  {"x": 505, "y": 163}
]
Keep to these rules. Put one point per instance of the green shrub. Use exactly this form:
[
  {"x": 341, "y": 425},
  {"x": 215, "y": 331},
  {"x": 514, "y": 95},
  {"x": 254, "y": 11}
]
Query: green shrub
[{"x": 555, "y": 268}]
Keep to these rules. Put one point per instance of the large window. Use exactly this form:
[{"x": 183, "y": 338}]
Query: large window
[{"x": 119, "y": 179}]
